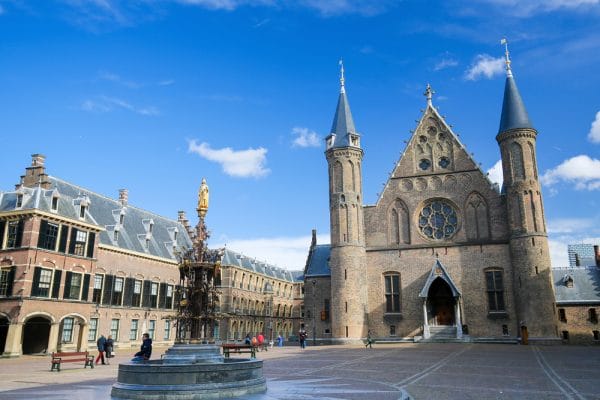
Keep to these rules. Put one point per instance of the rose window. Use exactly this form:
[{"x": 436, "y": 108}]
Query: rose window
[{"x": 438, "y": 220}]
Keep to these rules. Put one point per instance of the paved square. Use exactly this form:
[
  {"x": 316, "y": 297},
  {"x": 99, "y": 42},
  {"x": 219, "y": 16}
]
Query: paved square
[{"x": 390, "y": 371}]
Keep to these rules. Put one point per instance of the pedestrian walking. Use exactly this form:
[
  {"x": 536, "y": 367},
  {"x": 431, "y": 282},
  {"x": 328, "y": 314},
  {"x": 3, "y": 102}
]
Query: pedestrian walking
[
  {"x": 302, "y": 336},
  {"x": 279, "y": 341},
  {"x": 370, "y": 340},
  {"x": 108, "y": 348},
  {"x": 100, "y": 343}
]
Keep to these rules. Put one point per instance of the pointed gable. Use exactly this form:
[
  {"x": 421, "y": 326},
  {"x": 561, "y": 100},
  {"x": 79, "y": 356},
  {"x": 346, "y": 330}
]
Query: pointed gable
[
  {"x": 438, "y": 271},
  {"x": 433, "y": 148}
]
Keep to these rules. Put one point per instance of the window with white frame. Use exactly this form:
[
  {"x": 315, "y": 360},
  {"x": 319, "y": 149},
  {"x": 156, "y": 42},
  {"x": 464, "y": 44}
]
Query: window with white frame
[
  {"x": 133, "y": 330},
  {"x": 114, "y": 329},
  {"x": 73, "y": 286},
  {"x": 151, "y": 328},
  {"x": 167, "y": 329},
  {"x": 97, "y": 294},
  {"x": 93, "y": 329},
  {"x": 169, "y": 297},
  {"x": 67, "y": 330},
  {"x": 153, "y": 294},
  {"x": 137, "y": 293},
  {"x": 79, "y": 246},
  {"x": 43, "y": 288},
  {"x": 117, "y": 297}
]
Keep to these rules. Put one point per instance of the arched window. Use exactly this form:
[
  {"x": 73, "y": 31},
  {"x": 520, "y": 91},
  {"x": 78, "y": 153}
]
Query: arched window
[
  {"x": 516, "y": 157},
  {"x": 392, "y": 292},
  {"x": 495, "y": 290},
  {"x": 353, "y": 172},
  {"x": 338, "y": 177},
  {"x": 398, "y": 221},
  {"x": 476, "y": 212}
]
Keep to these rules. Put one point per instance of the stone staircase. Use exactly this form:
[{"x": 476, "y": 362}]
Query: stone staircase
[{"x": 444, "y": 334}]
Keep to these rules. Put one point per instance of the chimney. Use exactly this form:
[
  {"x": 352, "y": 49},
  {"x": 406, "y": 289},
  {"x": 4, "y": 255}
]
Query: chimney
[
  {"x": 181, "y": 216},
  {"x": 313, "y": 241},
  {"x": 123, "y": 196},
  {"x": 35, "y": 175},
  {"x": 597, "y": 254}
]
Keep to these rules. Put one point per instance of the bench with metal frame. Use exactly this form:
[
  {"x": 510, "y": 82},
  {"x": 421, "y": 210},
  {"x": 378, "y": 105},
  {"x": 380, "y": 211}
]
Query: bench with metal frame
[
  {"x": 229, "y": 348},
  {"x": 71, "y": 356}
]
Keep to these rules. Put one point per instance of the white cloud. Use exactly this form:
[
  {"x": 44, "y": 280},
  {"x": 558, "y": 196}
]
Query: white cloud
[
  {"x": 339, "y": 7},
  {"x": 104, "y": 104},
  {"x": 1, "y": 9},
  {"x": 495, "y": 173},
  {"x": 111, "y": 77},
  {"x": 285, "y": 252},
  {"x": 445, "y": 63},
  {"x": 324, "y": 7},
  {"x": 594, "y": 135},
  {"x": 569, "y": 225},
  {"x": 241, "y": 163},
  {"x": 485, "y": 65},
  {"x": 305, "y": 137},
  {"x": 166, "y": 82},
  {"x": 522, "y": 8},
  {"x": 227, "y": 4},
  {"x": 582, "y": 171}
]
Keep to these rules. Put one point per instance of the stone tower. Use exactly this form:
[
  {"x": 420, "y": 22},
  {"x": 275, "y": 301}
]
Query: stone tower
[
  {"x": 532, "y": 278},
  {"x": 348, "y": 256}
]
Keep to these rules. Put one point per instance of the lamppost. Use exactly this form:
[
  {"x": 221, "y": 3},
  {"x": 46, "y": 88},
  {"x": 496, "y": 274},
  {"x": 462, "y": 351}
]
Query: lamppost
[{"x": 314, "y": 283}]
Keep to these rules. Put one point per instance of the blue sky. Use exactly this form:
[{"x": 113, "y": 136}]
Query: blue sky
[{"x": 153, "y": 95}]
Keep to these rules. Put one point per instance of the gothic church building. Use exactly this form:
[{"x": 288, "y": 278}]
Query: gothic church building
[{"x": 443, "y": 253}]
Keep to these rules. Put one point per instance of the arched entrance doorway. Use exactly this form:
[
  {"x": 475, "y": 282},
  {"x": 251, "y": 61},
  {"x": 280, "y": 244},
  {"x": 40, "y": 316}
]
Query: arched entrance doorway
[
  {"x": 441, "y": 306},
  {"x": 36, "y": 332},
  {"x": 440, "y": 303},
  {"x": 4, "y": 322}
]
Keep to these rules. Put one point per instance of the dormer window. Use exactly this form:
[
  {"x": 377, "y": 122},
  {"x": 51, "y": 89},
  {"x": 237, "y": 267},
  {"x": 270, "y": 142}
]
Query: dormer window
[
  {"x": 147, "y": 243},
  {"x": 116, "y": 236},
  {"x": 82, "y": 210},
  {"x": 121, "y": 218},
  {"x": 19, "y": 200},
  {"x": 150, "y": 227},
  {"x": 54, "y": 205},
  {"x": 568, "y": 280},
  {"x": 175, "y": 235}
]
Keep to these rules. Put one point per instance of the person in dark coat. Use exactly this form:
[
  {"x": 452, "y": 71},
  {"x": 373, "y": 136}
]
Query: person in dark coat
[
  {"x": 100, "y": 343},
  {"x": 108, "y": 348},
  {"x": 145, "y": 350}
]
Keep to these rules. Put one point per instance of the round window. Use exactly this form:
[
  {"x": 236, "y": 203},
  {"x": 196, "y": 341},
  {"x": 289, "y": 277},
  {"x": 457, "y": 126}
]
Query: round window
[
  {"x": 424, "y": 164},
  {"x": 444, "y": 162},
  {"x": 438, "y": 220}
]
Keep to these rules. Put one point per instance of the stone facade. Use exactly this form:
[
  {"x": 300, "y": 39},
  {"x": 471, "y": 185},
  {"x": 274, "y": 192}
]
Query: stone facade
[{"x": 443, "y": 250}]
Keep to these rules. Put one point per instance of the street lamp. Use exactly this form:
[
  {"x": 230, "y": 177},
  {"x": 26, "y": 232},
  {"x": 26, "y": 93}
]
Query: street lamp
[{"x": 314, "y": 283}]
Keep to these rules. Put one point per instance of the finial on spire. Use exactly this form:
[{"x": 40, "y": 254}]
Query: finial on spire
[
  {"x": 342, "y": 88},
  {"x": 507, "y": 61},
  {"x": 429, "y": 94}
]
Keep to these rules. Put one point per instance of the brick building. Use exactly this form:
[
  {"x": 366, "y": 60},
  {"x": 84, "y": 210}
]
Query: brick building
[
  {"x": 578, "y": 300},
  {"x": 443, "y": 253},
  {"x": 75, "y": 264}
]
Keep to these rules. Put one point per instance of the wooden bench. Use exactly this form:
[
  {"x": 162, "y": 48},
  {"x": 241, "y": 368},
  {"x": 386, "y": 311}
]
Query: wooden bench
[
  {"x": 71, "y": 356},
  {"x": 229, "y": 348}
]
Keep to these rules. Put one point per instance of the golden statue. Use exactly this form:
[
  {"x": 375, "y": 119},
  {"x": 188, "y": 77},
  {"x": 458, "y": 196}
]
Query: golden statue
[{"x": 202, "y": 199}]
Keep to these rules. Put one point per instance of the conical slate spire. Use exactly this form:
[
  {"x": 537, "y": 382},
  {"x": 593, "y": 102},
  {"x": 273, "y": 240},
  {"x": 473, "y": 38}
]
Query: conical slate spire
[
  {"x": 343, "y": 124},
  {"x": 514, "y": 114}
]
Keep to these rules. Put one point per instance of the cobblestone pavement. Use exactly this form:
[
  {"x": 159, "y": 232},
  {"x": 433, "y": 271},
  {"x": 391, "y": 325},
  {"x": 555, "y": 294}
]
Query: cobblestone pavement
[{"x": 390, "y": 371}]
